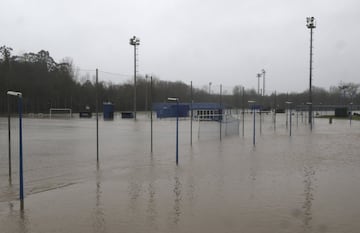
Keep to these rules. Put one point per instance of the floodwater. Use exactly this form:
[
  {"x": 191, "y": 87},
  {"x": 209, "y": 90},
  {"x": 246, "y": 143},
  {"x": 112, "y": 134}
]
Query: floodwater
[{"x": 309, "y": 182}]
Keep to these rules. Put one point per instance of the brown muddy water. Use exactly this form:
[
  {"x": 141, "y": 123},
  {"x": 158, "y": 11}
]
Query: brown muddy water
[{"x": 309, "y": 182}]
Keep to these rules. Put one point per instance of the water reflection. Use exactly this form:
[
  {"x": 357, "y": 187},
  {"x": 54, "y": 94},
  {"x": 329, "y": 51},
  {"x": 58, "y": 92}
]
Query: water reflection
[
  {"x": 9, "y": 192},
  {"x": 134, "y": 190},
  {"x": 151, "y": 209},
  {"x": 17, "y": 221},
  {"x": 253, "y": 171},
  {"x": 24, "y": 222},
  {"x": 191, "y": 191},
  {"x": 309, "y": 173},
  {"x": 151, "y": 206},
  {"x": 191, "y": 180},
  {"x": 177, "y": 200},
  {"x": 99, "y": 215}
]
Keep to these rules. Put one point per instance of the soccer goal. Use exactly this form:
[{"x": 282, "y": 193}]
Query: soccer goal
[
  {"x": 230, "y": 125},
  {"x": 226, "y": 124},
  {"x": 60, "y": 113}
]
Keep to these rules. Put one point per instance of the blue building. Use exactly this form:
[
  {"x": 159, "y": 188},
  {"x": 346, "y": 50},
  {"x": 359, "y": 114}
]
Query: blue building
[
  {"x": 108, "y": 111},
  {"x": 208, "y": 111},
  {"x": 165, "y": 110},
  {"x": 201, "y": 111}
]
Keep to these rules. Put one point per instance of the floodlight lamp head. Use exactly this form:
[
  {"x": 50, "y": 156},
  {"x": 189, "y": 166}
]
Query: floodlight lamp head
[
  {"x": 258, "y": 75},
  {"x": 14, "y": 93},
  {"x": 310, "y": 22},
  {"x": 173, "y": 99},
  {"x": 134, "y": 41}
]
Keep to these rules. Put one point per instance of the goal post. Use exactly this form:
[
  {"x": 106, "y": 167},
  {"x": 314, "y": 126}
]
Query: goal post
[
  {"x": 60, "y": 112},
  {"x": 209, "y": 125}
]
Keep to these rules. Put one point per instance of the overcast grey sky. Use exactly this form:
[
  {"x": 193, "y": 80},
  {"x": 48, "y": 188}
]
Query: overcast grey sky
[{"x": 220, "y": 41}]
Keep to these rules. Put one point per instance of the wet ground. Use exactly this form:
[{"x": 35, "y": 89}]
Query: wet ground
[{"x": 309, "y": 182}]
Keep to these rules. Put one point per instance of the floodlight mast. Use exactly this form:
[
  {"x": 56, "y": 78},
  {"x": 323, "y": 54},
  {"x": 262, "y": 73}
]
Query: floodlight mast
[
  {"x": 310, "y": 23},
  {"x": 21, "y": 179},
  {"x": 258, "y": 76},
  {"x": 134, "y": 41},
  {"x": 263, "y": 74}
]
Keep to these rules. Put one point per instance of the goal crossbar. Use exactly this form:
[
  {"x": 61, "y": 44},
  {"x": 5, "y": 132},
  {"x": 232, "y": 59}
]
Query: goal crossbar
[{"x": 60, "y": 110}]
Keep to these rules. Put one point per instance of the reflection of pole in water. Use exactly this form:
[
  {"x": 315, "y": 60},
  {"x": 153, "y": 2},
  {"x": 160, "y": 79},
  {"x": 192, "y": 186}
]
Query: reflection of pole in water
[
  {"x": 134, "y": 193},
  {"x": 151, "y": 207},
  {"x": 253, "y": 172},
  {"x": 19, "y": 220},
  {"x": 99, "y": 216},
  {"x": 309, "y": 197},
  {"x": 177, "y": 201},
  {"x": 24, "y": 222},
  {"x": 151, "y": 212}
]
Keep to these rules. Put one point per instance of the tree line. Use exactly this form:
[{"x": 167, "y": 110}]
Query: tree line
[{"x": 47, "y": 84}]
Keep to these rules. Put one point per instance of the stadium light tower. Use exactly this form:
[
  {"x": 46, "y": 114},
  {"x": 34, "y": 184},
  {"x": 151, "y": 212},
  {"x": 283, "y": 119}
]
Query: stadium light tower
[
  {"x": 21, "y": 179},
  {"x": 258, "y": 76},
  {"x": 310, "y": 23},
  {"x": 263, "y": 74},
  {"x": 135, "y": 42}
]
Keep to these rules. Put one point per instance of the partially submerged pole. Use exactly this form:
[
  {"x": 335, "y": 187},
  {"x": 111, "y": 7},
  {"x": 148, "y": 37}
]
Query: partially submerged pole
[
  {"x": 151, "y": 116},
  {"x": 243, "y": 111},
  {"x": 177, "y": 132},
  {"x": 221, "y": 113},
  {"x": 191, "y": 112},
  {"x": 21, "y": 180},
  {"x": 21, "y": 156},
  {"x": 97, "y": 117},
  {"x": 9, "y": 137},
  {"x": 254, "y": 126}
]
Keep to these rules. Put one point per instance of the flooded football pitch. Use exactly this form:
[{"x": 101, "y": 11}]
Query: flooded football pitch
[{"x": 307, "y": 182}]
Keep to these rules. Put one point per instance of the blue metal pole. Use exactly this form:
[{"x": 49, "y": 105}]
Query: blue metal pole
[
  {"x": 177, "y": 132},
  {"x": 21, "y": 152},
  {"x": 254, "y": 126}
]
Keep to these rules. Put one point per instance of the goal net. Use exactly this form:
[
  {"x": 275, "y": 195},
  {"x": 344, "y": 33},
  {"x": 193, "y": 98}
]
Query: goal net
[
  {"x": 227, "y": 124},
  {"x": 230, "y": 125},
  {"x": 60, "y": 113}
]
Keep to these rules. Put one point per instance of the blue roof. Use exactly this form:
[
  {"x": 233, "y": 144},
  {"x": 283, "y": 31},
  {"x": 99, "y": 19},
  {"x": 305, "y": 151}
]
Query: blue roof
[
  {"x": 199, "y": 106},
  {"x": 195, "y": 106}
]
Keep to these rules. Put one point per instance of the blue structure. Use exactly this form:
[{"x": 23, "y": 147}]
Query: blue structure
[
  {"x": 201, "y": 111},
  {"x": 127, "y": 115},
  {"x": 165, "y": 110},
  {"x": 108, "y": 111},
  {"x": 208, "y": 111}
]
